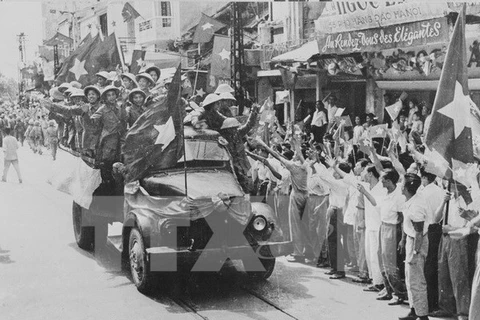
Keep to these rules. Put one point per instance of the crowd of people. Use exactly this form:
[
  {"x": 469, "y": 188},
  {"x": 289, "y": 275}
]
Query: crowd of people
[
  {"x": 371, "y": 204},
  {"x": 357, "y": 200}
]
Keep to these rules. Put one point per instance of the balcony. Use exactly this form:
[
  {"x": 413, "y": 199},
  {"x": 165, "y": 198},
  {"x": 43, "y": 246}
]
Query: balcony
[{"x": 156, "y": 29}]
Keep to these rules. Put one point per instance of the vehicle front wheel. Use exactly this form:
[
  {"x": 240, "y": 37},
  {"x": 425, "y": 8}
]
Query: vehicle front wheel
[
  {"x": 139, "y": 267},
  {"x": 268, "y": 264}
]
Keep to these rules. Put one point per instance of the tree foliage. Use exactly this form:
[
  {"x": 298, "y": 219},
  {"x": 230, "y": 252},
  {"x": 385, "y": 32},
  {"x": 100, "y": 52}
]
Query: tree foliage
[{"x": 8, "y": 87}]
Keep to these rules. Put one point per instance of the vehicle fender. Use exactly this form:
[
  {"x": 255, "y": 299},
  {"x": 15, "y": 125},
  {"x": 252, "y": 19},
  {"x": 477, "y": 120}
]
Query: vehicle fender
[
  {"x": 259, "y": 208},
  {"x": 145, "y": 224}
]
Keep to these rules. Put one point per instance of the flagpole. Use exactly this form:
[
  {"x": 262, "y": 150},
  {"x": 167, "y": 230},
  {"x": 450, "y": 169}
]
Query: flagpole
[
  {"x": 445, "y": 221},
  {"x": 196, "y": 79},
  {"x": 184, "y": 160},
  {"x": 120, "y": 52}
]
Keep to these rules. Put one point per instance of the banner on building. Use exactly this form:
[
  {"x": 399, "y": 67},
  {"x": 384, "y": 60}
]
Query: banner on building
[
  {"x": 398, "y": 36},
  {"x": 342, "y": 16}
]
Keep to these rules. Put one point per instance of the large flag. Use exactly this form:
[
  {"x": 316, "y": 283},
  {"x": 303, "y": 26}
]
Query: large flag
[
  {"x": 129, "y": 12},
  {"x": 450, "y": 132},
  {"x": 138, "y": 61},
  {"x": 220, "y": 62},
  {"x": 155, "y": 140},
  {"x": 206, "y": 28},
  {"x": 93, "y": 56}
]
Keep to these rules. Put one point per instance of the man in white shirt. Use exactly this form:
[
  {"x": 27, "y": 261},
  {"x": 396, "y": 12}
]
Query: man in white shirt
[
  {"x": 433, "y": 196},
  {"x": 453, "y": 280},
  {"x": 415, "y": 227},
  {"x": 298, "y": 199},
  {"x": 337, "y": 198},
  {"x": 319, "y": 122},
  {"x": 372, "y": 226},
  {"x": 332, "y": 109},
  {"x": 10, "y": 147},
  {"x": 390, "y": 207}
]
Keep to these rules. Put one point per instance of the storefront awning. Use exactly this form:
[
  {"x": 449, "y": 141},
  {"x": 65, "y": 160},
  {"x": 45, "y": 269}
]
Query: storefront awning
[
  {"x": 302, "y": 54},
  {"x": 420, "y": 85}
]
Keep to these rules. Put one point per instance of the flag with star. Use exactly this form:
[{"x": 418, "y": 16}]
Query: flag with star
[
  {"x": 364, "y": 144},
  {"x": 450, "y": 132},
  {"x": 93, "y": 56},
  {"x": 138, "y": 61},
  {"x": 394, "y": 109},
  {"x": 220, "y": 62},
  {"x": 345, "y": 120},
  {"x": 206, "y": 28},
  {"x": 378, "y": 131},
  {"x": 155, "y": 141}
]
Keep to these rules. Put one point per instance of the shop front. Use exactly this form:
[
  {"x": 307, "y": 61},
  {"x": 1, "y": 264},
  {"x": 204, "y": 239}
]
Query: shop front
[{"x": 400, "y": 51}]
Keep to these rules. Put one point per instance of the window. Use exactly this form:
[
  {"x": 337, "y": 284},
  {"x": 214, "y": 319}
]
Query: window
[
  {"x": 166, "y": 9},
  {"x": 163, "y": 9},
  {"x": 166, "y": 22}
]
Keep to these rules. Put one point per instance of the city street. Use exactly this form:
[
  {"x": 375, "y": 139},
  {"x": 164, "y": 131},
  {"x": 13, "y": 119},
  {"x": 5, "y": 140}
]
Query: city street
[{"x": 44, "y": 275}]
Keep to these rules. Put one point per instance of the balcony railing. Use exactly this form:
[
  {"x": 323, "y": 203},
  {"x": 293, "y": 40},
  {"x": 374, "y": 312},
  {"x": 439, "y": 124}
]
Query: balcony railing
[{"x": 155, "y": 29}]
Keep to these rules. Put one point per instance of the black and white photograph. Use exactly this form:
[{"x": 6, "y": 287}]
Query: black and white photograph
[{"x": 216, "y": 160}]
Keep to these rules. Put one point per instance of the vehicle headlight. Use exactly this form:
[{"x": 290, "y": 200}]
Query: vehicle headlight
[{"x": 259, "y": 223}]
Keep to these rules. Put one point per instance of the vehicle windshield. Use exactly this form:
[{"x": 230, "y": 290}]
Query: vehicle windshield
[{"x": 204, "y": 154}]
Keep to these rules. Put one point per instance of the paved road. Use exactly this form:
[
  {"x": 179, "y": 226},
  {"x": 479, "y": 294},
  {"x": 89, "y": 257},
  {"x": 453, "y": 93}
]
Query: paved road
[{"x": 43, "y": 275}]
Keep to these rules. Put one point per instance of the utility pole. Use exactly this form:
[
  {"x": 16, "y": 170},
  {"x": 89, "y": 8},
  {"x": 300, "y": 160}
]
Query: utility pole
[
  {"x": 22, "y": 58},
  {"x": 237, "y": 53}
]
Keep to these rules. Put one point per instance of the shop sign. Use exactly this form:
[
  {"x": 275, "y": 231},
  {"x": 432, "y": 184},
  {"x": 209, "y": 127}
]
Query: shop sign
[
  {"x": 398, "y": 36},
  {"x": 342, "y": 16}
]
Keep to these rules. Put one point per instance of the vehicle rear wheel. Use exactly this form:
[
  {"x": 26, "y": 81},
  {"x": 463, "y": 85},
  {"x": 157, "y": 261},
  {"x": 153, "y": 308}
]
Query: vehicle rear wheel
[
  {"x": 139, "y": 267},
  {"x": 84, "y": 235},
  {"x": 268, "y": 264}
]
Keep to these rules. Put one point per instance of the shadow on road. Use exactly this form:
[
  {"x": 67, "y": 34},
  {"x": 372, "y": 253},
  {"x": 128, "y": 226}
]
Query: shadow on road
[
  {"x": 215, "y": 291},
  {"x": 5, "y": 257}
]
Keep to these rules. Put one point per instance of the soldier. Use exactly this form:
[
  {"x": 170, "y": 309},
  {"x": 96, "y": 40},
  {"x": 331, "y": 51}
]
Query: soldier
[
  {"x": 52, "y": 138},
  {"x": 145, "y": 82},
  {"x": 20, "y": 130},
  {"x": 102, "y": 79},
  {"x": 129, "y": 83},
  {"x": 78, "y": 99},
  {"x": 154, "y": 72},
  {"x": 137, "y": 106},
  {"x": 112, "y": 120},
  {"x": 36, "y": 136},
  {"x": 27, "y": 133},
  {"x": 91, "y": 131}
]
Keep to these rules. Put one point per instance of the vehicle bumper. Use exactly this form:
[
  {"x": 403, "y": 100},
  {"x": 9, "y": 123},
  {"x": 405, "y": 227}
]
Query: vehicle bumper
[{"x": 167, "y": 259}]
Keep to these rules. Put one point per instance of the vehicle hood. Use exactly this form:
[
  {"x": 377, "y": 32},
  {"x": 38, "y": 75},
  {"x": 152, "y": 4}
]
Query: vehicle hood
[{"x": 163, "y": 196}]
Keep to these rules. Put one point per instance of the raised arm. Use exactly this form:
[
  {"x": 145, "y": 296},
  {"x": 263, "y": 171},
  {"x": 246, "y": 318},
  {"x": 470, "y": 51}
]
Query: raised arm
[
  {"x": 252, "y": 119},
  {"x": 395, "y": 162},
  {"x": 270, "y": 150},
  {"x": 375, "y": 159}
]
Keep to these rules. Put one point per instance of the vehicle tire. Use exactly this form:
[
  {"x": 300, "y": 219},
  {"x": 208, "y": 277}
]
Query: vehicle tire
[
  {"x": 84, "y": 235},
  {"x": 268, "y": 264},
  {"x": 143, "y": 279}
]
